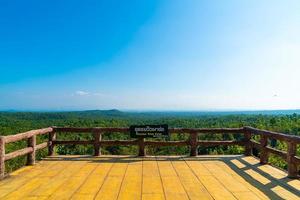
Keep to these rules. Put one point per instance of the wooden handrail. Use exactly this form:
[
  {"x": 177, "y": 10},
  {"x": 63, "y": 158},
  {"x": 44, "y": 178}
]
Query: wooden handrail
[
  {"x": 290, "y": 156},
  {"x": 171, "y": 130},
  {"x": 26, "y": 135},
  {"x": 30, "y": 150},
  {"x": 273, "y": 135}
]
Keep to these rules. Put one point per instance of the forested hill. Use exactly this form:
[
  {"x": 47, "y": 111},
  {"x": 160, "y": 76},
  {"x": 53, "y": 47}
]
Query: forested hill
[
  {"x": 16, "y": 122},
  {"x": 12, "y": 122}
]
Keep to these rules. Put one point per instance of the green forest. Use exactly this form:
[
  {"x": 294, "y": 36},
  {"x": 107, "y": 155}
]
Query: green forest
[{"x": 17, "y": 122}]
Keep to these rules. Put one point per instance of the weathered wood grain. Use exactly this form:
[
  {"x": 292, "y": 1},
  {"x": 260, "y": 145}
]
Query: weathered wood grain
[
  {"x": 141, "y": 144},
  {"x": 169, "y": 143},
  {"x": 51, "y": 138},
  {"x": 71, "y": 142},
  {"x": 218, "y": 143},
  {"x": 248, "y": 145},
  {"x": 2, "y": 157},
  {"x": 41, "y": 146},
  {"x": 263, "y": 150},
  {"x": 273, "y": 135},
  {"x": 26, "y": 135},
  {"x": 193, "y": 144},
  {"x": 31, "y": 156},
  {"x": 292, "y": 166},
  {"x": 97, "y": 140},
  {"x": 18, "y": 153},
  {"x": 277, "y": 152}
]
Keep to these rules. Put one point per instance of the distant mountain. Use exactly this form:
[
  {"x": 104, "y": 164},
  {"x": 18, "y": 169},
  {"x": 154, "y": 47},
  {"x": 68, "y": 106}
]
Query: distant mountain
[
  {"x": 254, "y": 112},
  {"x": 152, "y": 114},
  {"x": 104, "y": 113},
  {"x": 9, "y": 110}
]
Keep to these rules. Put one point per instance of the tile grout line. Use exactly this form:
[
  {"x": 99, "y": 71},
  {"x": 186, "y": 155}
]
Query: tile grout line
[
  {"x": 28, "y": 179},
  {"x": 278, "y": 182},
  {"x": 84, "y": 181},
  {"x": 8, "y": 177},
  {"x": 142, "y": 182},
  {"x": 122, "y": 181},
  {"x": 62, "y": 183},
  {"x": 220, "y": 182},
  {"x": 197, "y": 178},
  {"x": 162, "y": 185},
  {"x": 105, "y": 178},
  {"x": 66, "y": 167},
  {"x": 236, "y": 179},
  {"x": 180, "y": 180}
]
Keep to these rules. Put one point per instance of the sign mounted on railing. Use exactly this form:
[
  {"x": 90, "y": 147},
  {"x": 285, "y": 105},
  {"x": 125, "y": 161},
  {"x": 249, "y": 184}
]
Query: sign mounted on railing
[{"x": 149, "y": 131}]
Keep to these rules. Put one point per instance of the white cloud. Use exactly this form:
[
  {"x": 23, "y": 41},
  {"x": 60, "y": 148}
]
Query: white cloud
[
  {"x": 89, "y": 94},
  {"x": 81, "y": 93}
]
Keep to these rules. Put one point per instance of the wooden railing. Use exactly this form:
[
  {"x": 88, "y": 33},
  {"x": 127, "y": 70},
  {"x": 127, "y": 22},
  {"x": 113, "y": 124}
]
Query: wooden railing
[
  {"x": 290, "y": 156},
  {"x": 293, "y": 161},
  {"x": 30, "y": 150}
]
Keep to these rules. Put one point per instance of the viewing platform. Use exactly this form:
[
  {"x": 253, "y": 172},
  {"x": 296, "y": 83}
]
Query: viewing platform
[{"x": 151, "y": 177}]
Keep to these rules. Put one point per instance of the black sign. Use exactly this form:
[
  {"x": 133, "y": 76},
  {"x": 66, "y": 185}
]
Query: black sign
[{"x": 149, "y": 131}]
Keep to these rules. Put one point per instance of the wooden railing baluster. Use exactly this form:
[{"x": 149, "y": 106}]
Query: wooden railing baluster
[
  {"x": 292, "y": 166},
  {"x": 97, "y": 139},
  {"x": 248, "y": 145},
  {"x": 52, "y": 137},
  {"x": 194, "y": 144},
  {"x": 263, "y": 153},
  {"x": 31, "y": 142},
  {"x": 141, "y": 144},
  {"x": 2, "y": 157}
]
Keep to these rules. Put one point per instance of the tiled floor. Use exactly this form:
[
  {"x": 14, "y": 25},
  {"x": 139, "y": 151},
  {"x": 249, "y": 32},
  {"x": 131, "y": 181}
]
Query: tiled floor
[{"x": 124, "y": 177}]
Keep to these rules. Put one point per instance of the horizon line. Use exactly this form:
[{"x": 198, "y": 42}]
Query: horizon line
[{"x": 150, "y": 110}]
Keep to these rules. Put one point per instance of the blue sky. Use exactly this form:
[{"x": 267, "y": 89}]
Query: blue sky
[{"x": 149, "y": 55}]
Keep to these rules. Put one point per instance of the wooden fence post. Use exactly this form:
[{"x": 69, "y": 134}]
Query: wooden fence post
[
  {"x": 263, "y": 151},
  {"x": 141, "y": 144},
  {"x": 248, "y": 145},
  {"x": 97, "y": 139},
  {"x": 31, "y": 142},
  {"x": 193, "y": 143},
  {"x": 292, "y": 165},
  {"x": 2, "y": 157},
  {"x": 52, "y": 137}
]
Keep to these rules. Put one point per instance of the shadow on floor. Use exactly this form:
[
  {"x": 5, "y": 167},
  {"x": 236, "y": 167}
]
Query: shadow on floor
[{"x": 269, "y": 180}]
